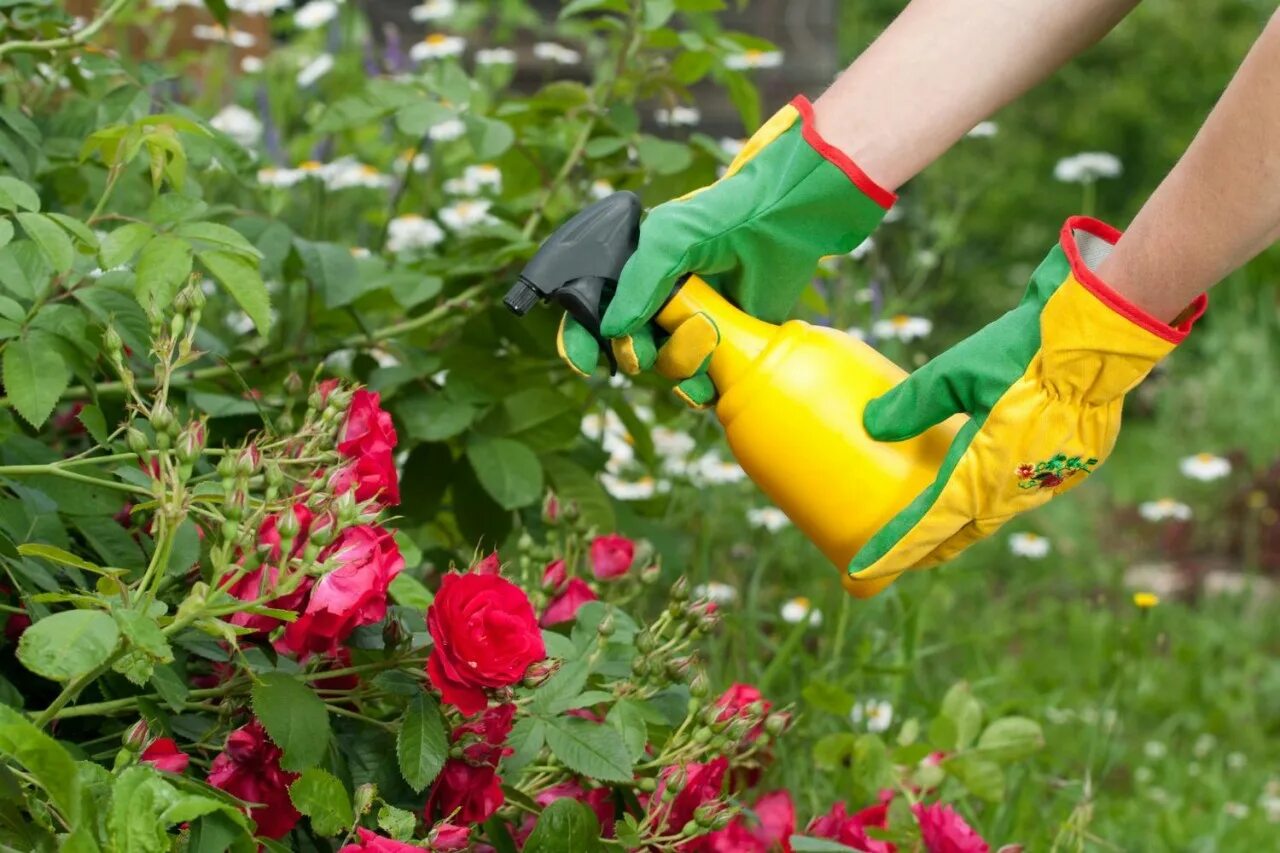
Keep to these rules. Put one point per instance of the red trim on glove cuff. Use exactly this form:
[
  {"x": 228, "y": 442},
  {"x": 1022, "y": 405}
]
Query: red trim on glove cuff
[
  {"x": 1114, "y": 301},
  {"x": 838, "y": 158}
]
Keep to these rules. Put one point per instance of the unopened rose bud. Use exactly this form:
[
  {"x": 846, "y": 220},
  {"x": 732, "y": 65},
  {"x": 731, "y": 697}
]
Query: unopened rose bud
[
  {"x": 364, "y": 797},
  {"x": 136, "y": 439},
  {"x": 551, "y": 509},
  {"x": 293, "y": 383},
  {"x": 777, "y": 723},
  {"x": 248, "y": 460},
  {"x": 738, "y": 728},
  {"x": 702, "y": 734},
  {"x": 690, "y": 829},
  {"x": 722, "y": 745},
  {"x": 755, "y": 710},
  {"x": 322, "y": 530},
  {"x": 286, "y": 422},
  {"x": 455, "y": 751},
  {"x": 647, "y": 784},
  {"x": 449, "y": 838},
  {"x": 640, "y": 666},
  {"x": 111, "y": 341},
  {"x": 700, "y": 687},
  {"x": 644, "y": 642},
  {"x": 569, "y": 511},
  {"x": 650, "y": 574},
  {"x": 678, "y": 668},
  {"x": 288, "y": 525},
  {"x": 680, "y": 589},
  {"x": 177, "y": 323},
  {"x": 136, "y": 736},
  {"x": 540, "y": 672},
  {"x": 705, "y": 814},
  {"x": 161, "y": 418},
  {"x": 346, "y": 507},
  {"x": 233, "y": 505},
  {"x": 674, "y": 784},
  {"x": 722, "y": 819},
  {"x": 607, "y": 625},
  {"x": 227, "y": 470},
  {"x": 191, "y": 442}
]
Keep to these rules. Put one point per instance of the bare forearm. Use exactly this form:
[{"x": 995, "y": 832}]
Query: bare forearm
[
  {"x": 945, "y": 65},
  {"x": 1220, "y": 205}
]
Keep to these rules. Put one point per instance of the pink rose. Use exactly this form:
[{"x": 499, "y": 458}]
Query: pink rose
[
  {"x": 163, "y": 754},
  {"x": 485, "y": 635},
  {"x": 851, "y": 830},
  {"x": 696, "y": 785},
  {"x": 372, "y": 842},
  {"x": 767, "y": 827},
  {"x": 351, "y": 595},
  {"x": 944, "y": 831},
  {"x": 611, "y": 556},
  {"x": 564, "y": 607},
  {"x": 368, "y": 438}
]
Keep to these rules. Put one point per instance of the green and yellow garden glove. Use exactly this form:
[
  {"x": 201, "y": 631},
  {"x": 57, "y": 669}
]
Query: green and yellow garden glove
[
  {"x": 1043, "y": 386},
  {"x": 787, "y": 200}
]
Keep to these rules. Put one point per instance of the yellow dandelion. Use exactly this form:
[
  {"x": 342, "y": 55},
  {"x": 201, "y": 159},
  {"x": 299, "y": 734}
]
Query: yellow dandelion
[{"x": 1145, "y": 600}]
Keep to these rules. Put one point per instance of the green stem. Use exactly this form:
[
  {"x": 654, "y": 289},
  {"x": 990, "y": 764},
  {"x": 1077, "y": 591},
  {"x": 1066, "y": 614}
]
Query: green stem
[
  {"x": 53, "y": 470},
  {"x": 77, "y": 38}
]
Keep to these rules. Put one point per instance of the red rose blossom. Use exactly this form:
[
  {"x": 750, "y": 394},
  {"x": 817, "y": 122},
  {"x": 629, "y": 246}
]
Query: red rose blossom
[
  {"x": 465, "y": 793},
  {"x": 249, "y": 768},
  {"x": 944, "y": 831},
  {"x": 766, "y": 828},
  {"x": 263, "y": 580},
  {"x": 483, "y": 740},
  {"x": 351, "y": 595},
  {"x": 553, "y": 576},
  {"x": 611, "y": 556},
  {"x": 163, "y": 754},
  {"x": 368, "y": 438},
  {"x": 851, "y": 830},
  {"x": 449, "y": 838},
  {"x": 564, "y": 607},
  {"x": 485, "y": 635},
  {"x": 696, "y": 785},
  {"x": 372, "y": 842}
]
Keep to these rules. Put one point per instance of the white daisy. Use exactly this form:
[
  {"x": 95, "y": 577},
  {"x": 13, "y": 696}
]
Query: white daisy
[
  {"x": 447, "y": 130},
  {"x": 360, "y": 252},
  {"x": 632, "y": 490},
  {"x": 710, "y": 468},
  {"x": 769, "y": 518},
  {"x": 1029, "y": 545},
  {"x": 217, "y": 32},
  {"x": 433, "y": 10},
  {"x": 467, "y": 213},
  {"x": 720, "y": 593},
  {"x": 1163, "y": 509},
  {"x": 797, "y": 609},
  {"x": 984, "y": 130},
  {"x": 238, "y": 123},
  {"x": 669, "y": 442},
  {"x": 1205, "y": 467},
  {"x": 239, "y": 322},
  {"x": 311, "y": 73},
  {"x": 1155, "y": 750},
  {"x": 315, "y": 14},
  {"x": 549, "y": 51},
  {"x": 419, "y": 161},
  {"x": 346, "y": 173},
  {"x": 437, "y": 46},
  {"x": 600, "y": 188},
  {"x": 279, "y": 178},
  {"x": 495, "y": 56},
  {"x": 876, "y": 714},
  {"x": 677, "y": 116},
  {"x": 411, "y": 231},
  {"x": 902, "y": 327},
  {"x": 749, "y": 59},
  {"x": 1204, "y": 745},
  {"x": 1235, "y": 810},
  {"x": 251, "y": 7},
  {"x": 1087, "y": 167},
  {"x": 475, "y": 180},
  {"x": 856, "y": 332},
  {"x": 252, "y": 65},
  {"x": 1236, "y": 760}
]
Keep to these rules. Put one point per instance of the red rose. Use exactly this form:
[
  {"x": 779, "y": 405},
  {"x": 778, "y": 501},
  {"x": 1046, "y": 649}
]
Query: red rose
[
  {"x": 944, "y": 831},
  {"x": 484, "y": 740},
  {"x": 737, "y": 698},
  {"x": 326, "y": 387},
  {"x": 257, "y": 583},
  {"x": 351, "y": 595},
  {"x": 611, "y": 556},
  {"x": 368, "y": 437},
  {"x": 371, "y": 842},
  {"x": 696, "y": 784},
  {"x": 249, "y": 768},
  {"x": 851, "y": 830},
  {"x": 767, "y": 827},
  {"x": 163, "y": 754},
  {"x": 553, "y": 576},
  {"x": 465, "y": 793},
  {"x": 490, "y": 565},
  {"x": 15, "y": 626},
  {"x": 485, "y": 636},
  {"x": 564, "y": 607},
  {"x": 448, "y": 838}
]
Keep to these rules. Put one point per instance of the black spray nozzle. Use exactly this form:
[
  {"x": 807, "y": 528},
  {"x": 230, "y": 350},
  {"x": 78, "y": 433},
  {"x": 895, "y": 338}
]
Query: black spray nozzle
[{"x": 578, "y": 266}]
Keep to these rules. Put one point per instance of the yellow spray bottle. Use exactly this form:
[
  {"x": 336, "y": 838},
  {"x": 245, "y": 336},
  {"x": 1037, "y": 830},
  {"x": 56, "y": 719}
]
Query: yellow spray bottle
[{"x": 790, "y": 396}]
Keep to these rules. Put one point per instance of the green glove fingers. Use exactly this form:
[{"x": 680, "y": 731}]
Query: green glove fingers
[
  {"x": 697, "y": 392},
  {"x": 576, "y": 346},
  {"x": 685, "y": 356},
  {"x": 635, "y": 352}
]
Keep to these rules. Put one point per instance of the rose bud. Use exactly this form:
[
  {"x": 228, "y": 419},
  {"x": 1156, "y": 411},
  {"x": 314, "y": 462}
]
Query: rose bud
[
  {"x": 650, "y": 574},
  {"x": 449, "y": 838},
  {"x": 191, "y": 443},
  {"x": 136, "y": 439},
  {"x": 540, "y": 672},
  {"x": 705, "y": 814},
  {"x": 111, "y": 342},
  {"x": 551, "y": 509},
  {"x": 322, "y": 530},
  {"x": 248, "y": 460},
  {"x": 136, "y": 736},
  {"x": 293, "y": 383},
  {"x": 777, "y": 723},
  {"x": 647, "y": 784},
  {"x": 233, "y": 505},
  {"x": 700, "y": 687},
  {"x": 554, "y": 575},
  {"x": 680, "y": 589},
  {"x": 607, "y": 625},
  {"x": 678, "y": 668}
]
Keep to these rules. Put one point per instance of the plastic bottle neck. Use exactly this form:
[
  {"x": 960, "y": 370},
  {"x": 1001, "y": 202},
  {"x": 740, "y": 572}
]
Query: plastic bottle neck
[{"x": 742, "y": 337}]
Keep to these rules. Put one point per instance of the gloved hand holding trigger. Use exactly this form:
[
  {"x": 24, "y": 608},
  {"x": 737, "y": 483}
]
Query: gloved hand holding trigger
[{"x": 787, "y": 200}]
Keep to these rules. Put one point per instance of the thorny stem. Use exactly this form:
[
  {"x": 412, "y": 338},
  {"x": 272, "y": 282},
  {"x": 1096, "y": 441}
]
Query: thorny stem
[{"x": 75, "y": 39}]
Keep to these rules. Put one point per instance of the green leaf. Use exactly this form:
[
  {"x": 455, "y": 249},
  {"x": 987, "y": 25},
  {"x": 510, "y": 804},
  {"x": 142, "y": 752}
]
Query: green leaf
[
  {"x": 526, "y": 740},
  {"x": 16, "y": 195},
  {"x": 94, "y": 423},
  {"x": 44, "y": 758},
  {"x": 52, "y": 241},
  {"x": 77, "y": 229},
  {"x": 58, "y": 555},
  {"x": 144, "y": 634},
  {"x": 872, "y": 766},
  {"x": 410, "y": 592},
  {"x": 163, "y": 267},
  {"x": 332, "y": 269},
  {"x": 592, "y": 749},
  {"x": 242, "y": 280},
  {"x": 963, "y": 710},
  {"x": 805, "y": 844},
  {"x": 577, "y": 7},
  {"x": 746, "y": 97},
  {"x": 416, "y": 118},
  {"x": 123, "y": 243},
  {"x": 294, "y": 717},
  {"x": 35, "y": 377},
  {"x": 508, "y": 470},
  {"x": 398, "y": 823},
  {"x": 320, "y": 796},
  {"x": 691, "y": 66},
  {"x": 657, "y": 13},
  {"x": 186, "y": 547},
  {"x": 1011, "y": 739},
  {"x": 6, "y": 232},
  {"x": 422, "y": 744},
  {"x": 69, "y": 644},
  {"x": 603, "y": 146},
  {"x": 434, "y": 417},
  {"x": 489, "y": 137},
  {"x": 137, "y": 798},
  {"x": 629, "y": 719},
  {"x": 217, "y": 236},
  {"x": 982, "y": 777},
  {"x": 824, "y": 696},
  {"x": 573, "y": 483},
  {"x": 565, "y": 826},
  {"x": 559, "y": 691},
  {"x": 662, "y": 155}
]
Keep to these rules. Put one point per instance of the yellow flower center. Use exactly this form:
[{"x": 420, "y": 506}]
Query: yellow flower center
[
  {"x": 900, "y": 320},
  {"x": 436, "y": 39},
  {"x": 369, "y": 171},
  {"x": 1030, "y": 538},
  {"x": 412, "y": 217},
  {"x": 754, "y": 54},
  {"x": 1204, "y": 457},
  {"x": 311, "y": 166},
  {"x": 801, "y": 601}
]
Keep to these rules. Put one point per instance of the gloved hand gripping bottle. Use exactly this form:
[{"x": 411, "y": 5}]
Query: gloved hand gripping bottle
[{"x": 791, "y": 396}]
